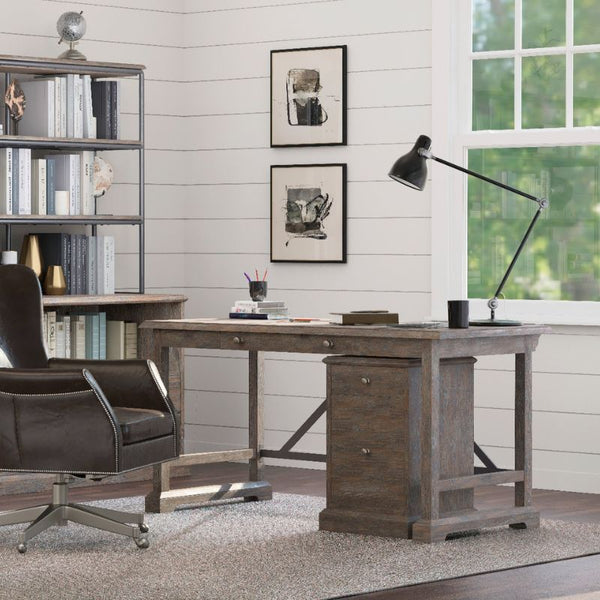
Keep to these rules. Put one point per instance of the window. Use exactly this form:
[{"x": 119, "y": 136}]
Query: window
[{"x": 527, "y": 112}]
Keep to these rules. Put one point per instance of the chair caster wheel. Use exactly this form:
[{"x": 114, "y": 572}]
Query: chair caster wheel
[
  {"x": 22, "y": 548},
  {"x": 144, "y": 528},
  {"x": 142, "y": 542}
]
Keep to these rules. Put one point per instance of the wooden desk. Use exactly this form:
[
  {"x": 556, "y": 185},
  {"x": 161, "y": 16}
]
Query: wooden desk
[{"x": 430, "y": 346}]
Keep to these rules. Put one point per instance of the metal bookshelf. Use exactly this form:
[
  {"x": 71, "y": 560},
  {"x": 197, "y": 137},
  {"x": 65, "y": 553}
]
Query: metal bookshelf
[{"x": 16, "y": 65}]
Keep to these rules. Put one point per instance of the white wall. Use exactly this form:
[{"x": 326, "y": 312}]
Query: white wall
[
  {"x": 227, "y": 231},
  {"x": 207, "y": 105}
]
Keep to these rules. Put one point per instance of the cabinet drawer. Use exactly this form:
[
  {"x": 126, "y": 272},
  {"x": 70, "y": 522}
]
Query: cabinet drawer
[{"x": 367, "y": 381}]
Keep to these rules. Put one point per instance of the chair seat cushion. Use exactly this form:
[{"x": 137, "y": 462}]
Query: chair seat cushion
[{"x": 139, "y": 424}]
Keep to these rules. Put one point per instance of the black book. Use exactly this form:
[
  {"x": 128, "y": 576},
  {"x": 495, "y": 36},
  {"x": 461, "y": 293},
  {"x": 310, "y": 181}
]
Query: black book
[
  {"x": 114, "y": 110},
  {"x": 101, "y": 107},
  {"x": 55, "y": 251}
]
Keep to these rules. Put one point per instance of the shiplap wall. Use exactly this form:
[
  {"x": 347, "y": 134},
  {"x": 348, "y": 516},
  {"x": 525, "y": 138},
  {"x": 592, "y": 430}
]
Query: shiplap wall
[
  {"x": 144, "y": 32},
  {"x": 227, "y": 230},
  {"x": 208, "y": 158}
]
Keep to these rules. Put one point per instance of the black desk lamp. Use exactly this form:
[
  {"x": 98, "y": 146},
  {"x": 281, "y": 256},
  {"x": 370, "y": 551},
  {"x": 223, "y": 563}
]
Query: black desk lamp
[{"x": 411, "y": 170}]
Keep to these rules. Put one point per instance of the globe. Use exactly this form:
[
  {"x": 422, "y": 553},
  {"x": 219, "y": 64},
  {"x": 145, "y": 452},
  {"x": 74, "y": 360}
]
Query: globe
[{"x": 71, "y": 26}]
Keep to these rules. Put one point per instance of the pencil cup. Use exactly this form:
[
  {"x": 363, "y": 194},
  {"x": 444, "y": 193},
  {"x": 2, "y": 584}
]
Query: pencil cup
[
  {"x": 458, "y": 314},
  {"x": 258, "y": 290}
]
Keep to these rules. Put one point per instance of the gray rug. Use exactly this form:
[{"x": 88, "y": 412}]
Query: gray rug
[{"x": 259, "y": 550}]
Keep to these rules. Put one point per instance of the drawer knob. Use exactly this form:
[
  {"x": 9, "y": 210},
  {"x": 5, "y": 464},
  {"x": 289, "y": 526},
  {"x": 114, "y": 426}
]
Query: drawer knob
[
  {"x": 328, "y": 343},
  {"x": 365, "y": 380},
  {"x": 365, "y": 451},
  {"x": 237, "y": 340}
]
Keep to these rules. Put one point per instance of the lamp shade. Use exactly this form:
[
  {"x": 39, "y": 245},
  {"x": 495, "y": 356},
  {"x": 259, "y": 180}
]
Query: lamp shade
[{"x": 411, "y": 169}]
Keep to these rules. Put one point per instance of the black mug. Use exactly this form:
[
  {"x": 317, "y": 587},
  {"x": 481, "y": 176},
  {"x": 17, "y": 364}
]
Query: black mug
[{"x": 458, "y": 314}]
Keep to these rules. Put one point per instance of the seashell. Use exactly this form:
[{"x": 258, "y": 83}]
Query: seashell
[{"x": 103, "y": 176}]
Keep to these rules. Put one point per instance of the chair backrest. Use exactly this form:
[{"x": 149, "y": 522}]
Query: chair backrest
[{"x": 21, "y": 332}]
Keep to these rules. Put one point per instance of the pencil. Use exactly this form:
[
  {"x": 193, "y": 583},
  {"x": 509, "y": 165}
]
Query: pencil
[
  {"x": 247, "y": 277},
  {"x": 265, "y": 275},
  {"x": 256, "y": 271}
]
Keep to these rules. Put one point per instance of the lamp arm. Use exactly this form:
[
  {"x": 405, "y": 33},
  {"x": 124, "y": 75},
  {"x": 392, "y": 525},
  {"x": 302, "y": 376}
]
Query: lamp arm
[
  {"x": 427, "y": 154},
  {"x": 542, "y": 204}
]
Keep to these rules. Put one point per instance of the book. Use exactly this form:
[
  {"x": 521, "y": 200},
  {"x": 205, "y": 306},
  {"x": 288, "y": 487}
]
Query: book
[
  {"x": 115, "y": 340},
  {"x": 78, "y": 340},
  {"x": 101, "y": 102},
  {"x": 105, "y": 263},
  {"x": 256, "y": 316},
  {"x": 88, "y": 123},
  {"x": 115, "y": 109},
  {"x": 6, "y": 202},
  {"x": 24, "y": 189},
  {"x": 63, "y": 106},
  {"x": 38, "y": 187},
  {"x": 102, "y": 336},
  {"x": 88, "y": 202},
  {"x": 131, "y": 336},
  {"x": 51, "y": 342},
  {"x": 259, "y": 304},
  {"x": 50, "y": 185},
  {"x": 92, "y": 270},
  {"x": 60, "y": 338},
  {"x": 70, "y": 104},
  {"x": 364, "y": 318},
  {"x": 14, "y": 169},
  {"x": 67, "y": 322},
  {"x": 39, "y": 118},
  {"x": 73, "y": 258},
  {"x": 78, "y": 107}
]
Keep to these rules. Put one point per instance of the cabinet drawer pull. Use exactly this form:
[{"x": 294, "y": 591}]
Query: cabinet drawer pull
[
  {"x": 328, "y": 343},
  {"x": 365, "y": 451},
  {"x": 365, "y": 380},
  {"x": 237, "y": 340}
]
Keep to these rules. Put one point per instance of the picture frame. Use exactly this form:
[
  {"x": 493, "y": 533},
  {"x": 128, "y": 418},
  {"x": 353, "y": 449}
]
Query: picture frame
[
  {"x": 308, "y": 96},
  {"x": 308, "y": 213}
]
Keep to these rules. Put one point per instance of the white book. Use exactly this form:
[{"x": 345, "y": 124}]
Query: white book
[
  {"x": 6, "y": 205},
  {"x": 57, "y": 102},
  {"x": 24, "y": 181},
  {"x": 88, "y": 125},
  {"x": 75, "y": 173},
  {"x": 38, "y": 119},
  {"x": 67, "y": 321},
  {"x": 70, "y": 104},
  {"x": 78, "y": 91},
  {"x": 100, "y": 265},
  {"x": 38, "y": 186},
  {"x": 45, "y": 331},
  {"x": 109, "y": 264},
  {"x": 60, "y": 338},
  {"x": 92, "y": 266},
  {"x": 115, "y": 340},
  {"x": 78, "y": 336},
  {"x": 51, "y": 334},
  {"x": 63, "y": 107},
  {"x": 88, "y": 204}
]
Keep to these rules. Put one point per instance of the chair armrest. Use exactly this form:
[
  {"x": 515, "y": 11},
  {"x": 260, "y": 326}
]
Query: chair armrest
[
  {"x": 56, "y": 421},
  {"x": 129, "y": 383}
]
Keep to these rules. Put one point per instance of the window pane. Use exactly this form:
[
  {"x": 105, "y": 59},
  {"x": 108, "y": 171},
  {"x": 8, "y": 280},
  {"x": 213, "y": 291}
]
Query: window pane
[
  {"x": 543, "y": 23},
  {"x": 493, "y": 25},
  {"x": 561, "y": 260},
  {"x": 586, "y": 89},
  {"x": 493, "y": 97},
  {"x": 543, "y": 89},
  {"x": 586, "y": 16}
]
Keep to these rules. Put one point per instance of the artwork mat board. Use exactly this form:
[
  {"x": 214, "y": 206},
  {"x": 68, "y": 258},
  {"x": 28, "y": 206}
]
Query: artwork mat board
[
  {"x": 332, "y": 64},
  {"x": 331, "y": 178}
]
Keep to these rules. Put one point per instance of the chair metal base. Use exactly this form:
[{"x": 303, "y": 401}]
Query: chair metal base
[{"x": 60, "y": 512}]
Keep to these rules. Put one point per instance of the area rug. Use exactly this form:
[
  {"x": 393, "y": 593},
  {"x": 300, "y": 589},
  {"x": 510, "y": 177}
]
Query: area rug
[{"x": 259, "y": 550}]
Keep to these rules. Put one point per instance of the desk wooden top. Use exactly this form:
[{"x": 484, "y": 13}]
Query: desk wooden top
[{"x": 323, "y": 327}]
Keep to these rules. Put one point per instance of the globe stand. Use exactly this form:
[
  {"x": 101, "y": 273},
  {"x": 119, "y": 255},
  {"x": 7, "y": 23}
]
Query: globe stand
[{"x": 72, "y": 54}]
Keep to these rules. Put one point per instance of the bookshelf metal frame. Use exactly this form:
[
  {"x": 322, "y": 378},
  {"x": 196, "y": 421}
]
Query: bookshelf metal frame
[{"x": 11, "y": 65}]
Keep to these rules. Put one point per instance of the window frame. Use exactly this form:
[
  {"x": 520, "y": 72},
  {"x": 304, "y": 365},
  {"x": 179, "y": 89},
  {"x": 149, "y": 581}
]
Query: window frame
[{"x": 452, "y": 138}]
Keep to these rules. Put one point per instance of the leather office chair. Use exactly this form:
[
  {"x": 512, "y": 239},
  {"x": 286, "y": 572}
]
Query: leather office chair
[{"x": 73, "y": 417}]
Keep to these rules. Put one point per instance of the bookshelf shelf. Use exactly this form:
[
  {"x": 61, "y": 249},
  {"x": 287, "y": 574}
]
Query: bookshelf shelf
[
  {"x": 71, "y": 219},
  {"x": 112, "y": 299},
  {"x": 23, "y": 141}
]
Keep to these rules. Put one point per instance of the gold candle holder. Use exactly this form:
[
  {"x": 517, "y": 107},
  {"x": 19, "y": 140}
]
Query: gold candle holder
[
  {"x": 30, "y": 254},
  {"x": 54, "y": 283}
]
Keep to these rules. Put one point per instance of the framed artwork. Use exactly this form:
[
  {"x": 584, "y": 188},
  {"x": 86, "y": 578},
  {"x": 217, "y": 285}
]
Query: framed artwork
[
  {"x": 308, "y": 96},
  {"x": 308, "y": 213}
]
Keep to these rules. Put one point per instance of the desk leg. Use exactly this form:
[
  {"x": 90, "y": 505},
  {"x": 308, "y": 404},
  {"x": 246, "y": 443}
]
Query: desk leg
[
  {"x": 523, "y": 443},
  {"x": 256, "y": 393},
  {"x": 424, "y": 529}
]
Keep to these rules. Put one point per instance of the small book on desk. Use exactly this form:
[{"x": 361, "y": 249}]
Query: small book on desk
[
  {"x": 367, "y": 317},
  {"x": 257, "y": 316}
]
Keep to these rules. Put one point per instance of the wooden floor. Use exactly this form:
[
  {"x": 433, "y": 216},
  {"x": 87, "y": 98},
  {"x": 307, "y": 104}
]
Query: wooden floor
[{"x": 552, "y": 580}]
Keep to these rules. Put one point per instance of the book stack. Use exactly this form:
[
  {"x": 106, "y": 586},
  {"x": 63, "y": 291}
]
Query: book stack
[
  {"x": 27, "y": 184},
  {"x": 88, "y": 336},
  {"x": 364, "y": 317},
  {"x": 88, "y": 262},
  {"x": 266, "y": 309},
  {"x": 71, "y": 106}
]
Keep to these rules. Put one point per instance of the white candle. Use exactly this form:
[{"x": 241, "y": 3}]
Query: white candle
[
  {"x": 61, "y": 202},
  {"x": 9, "y": 257}
]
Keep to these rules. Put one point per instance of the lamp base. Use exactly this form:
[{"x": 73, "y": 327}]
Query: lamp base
[{"x": 494, "y": 323}]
